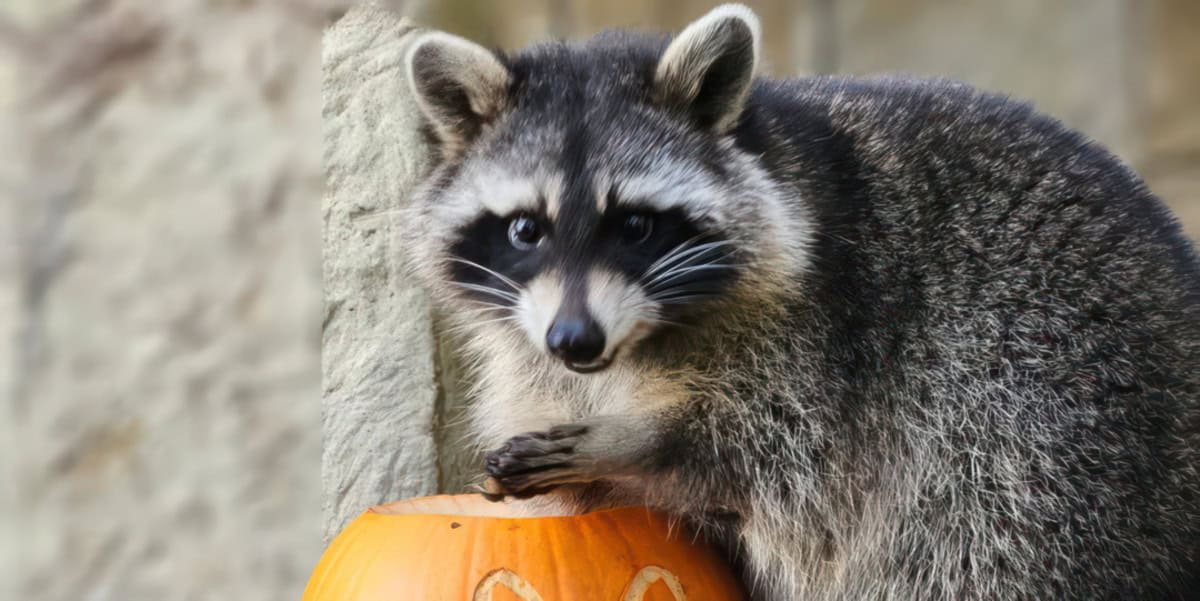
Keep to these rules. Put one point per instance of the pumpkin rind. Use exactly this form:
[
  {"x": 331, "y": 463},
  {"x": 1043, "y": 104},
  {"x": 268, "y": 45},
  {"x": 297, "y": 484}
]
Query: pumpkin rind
[{"x": 627, "y": 554}]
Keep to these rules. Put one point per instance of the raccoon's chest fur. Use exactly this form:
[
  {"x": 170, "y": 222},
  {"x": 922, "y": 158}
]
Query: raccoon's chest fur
[{"x": 520, "y": 391}]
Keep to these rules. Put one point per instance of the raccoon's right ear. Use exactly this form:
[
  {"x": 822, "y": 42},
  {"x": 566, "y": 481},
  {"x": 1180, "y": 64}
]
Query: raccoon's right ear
[
  {"x": 459, "y": 86},
  {"x": 707, "y": 69}
]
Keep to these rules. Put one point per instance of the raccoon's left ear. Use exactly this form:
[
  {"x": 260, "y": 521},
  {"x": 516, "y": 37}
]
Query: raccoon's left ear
[
  {"x": 707, "y": 69},
  {"x": 459, "y": 85}
]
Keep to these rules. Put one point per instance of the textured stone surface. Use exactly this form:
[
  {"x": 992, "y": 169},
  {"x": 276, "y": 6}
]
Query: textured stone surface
[
  {"x": 380, "y": 389},
  {"x": 9, "y": 312},
  {"x": 164, "y": 410}
]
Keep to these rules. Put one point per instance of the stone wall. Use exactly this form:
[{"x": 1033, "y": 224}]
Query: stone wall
[
  {"x": 380, "y": 388},
  {"x": 161, "y": 416}
]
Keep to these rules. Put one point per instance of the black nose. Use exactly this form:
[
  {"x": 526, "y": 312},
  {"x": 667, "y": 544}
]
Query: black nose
[{"x": 577, "y": 340}]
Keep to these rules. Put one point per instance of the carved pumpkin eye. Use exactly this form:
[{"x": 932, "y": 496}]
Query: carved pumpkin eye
[
  {"x": 524, "y": 233},
  {"x": 637, "y": 228}
]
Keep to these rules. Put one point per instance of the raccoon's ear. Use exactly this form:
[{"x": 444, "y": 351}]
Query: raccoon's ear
[
  {"x": 707, "y": 69},
  {"x": 459, "y": 86}
]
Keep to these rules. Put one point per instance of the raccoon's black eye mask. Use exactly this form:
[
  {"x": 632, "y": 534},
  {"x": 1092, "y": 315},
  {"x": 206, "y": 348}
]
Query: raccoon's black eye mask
[
  {"x": 676, "y": 259},
  {"x": 525, "y": 233}
]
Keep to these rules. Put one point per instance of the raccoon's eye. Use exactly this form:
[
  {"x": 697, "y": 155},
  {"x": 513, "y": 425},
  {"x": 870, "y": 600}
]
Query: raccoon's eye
[
  {"x": 523, "y": 232},
  {"x": 637, "y": 228}
]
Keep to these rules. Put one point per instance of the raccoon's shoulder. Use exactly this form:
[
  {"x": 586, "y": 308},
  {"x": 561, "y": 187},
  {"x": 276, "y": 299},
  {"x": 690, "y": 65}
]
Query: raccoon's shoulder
[{"x": 909, "y": 160}]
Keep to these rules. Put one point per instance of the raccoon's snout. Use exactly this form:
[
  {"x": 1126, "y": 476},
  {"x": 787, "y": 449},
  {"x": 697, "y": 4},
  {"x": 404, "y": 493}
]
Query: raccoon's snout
[{"x": 578, "y": 341}]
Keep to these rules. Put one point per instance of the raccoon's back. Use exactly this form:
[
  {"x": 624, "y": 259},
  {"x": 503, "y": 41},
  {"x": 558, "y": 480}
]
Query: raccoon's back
[
  {"x": 1024, "y": 310},
  {"x": 933, "y": 202}
]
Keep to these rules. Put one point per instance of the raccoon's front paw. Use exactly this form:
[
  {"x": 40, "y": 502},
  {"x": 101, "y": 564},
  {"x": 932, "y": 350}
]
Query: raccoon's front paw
[{"x": 535, "y": 462}]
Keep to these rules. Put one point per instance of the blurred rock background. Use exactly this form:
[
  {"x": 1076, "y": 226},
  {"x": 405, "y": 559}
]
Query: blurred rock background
[{"x": 160, "y": 279}]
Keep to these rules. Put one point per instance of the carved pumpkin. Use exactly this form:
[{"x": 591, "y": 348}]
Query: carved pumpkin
[{"x": 462, "y": 548}]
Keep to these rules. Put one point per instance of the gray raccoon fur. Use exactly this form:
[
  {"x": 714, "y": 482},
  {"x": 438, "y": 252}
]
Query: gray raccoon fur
[{"x": 887, "y": 338}]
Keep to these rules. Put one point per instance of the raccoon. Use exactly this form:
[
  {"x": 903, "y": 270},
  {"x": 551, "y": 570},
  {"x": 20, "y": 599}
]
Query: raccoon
[{"x": 888, "y": 338}]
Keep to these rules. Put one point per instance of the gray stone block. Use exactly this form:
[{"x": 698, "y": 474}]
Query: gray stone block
[{"x": 380, "y": 391}]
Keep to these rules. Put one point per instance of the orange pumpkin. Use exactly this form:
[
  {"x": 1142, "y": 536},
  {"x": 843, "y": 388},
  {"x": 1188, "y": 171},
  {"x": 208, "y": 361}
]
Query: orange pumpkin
[{"x": 462, "y": 548}]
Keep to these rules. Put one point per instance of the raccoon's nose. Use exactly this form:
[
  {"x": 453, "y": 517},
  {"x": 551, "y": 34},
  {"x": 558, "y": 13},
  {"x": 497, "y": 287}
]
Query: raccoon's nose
[{"x": 576, "y": 340}]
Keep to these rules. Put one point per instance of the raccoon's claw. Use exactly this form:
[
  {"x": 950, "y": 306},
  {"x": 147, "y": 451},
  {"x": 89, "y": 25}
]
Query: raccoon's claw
[
  {"x": 534, "y": 463},
  {"x": 503, "y": 491}
]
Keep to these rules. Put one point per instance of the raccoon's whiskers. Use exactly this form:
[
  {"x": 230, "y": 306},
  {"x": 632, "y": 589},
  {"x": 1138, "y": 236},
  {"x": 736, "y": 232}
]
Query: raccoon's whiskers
[
  {"x": 663, "y": 280},
  {"x": 659, "y": 321},
  {"x": 486, "y": 307},
  {"x": 460, "y": 328},
  {"x": 680, "y": 299},
  {"x": 655, "y": 266},
  {"x": 683, "y": 256},
  {"x": 508, "y": 296},
  {"x": 503, "y": 278}
]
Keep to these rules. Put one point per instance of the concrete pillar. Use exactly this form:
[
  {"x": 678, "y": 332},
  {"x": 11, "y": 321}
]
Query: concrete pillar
[{"x": 379, "y": 386}]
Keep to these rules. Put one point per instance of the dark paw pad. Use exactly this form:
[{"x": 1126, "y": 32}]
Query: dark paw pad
[{"x": 533, "y": 463}]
